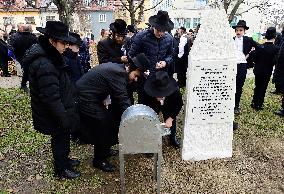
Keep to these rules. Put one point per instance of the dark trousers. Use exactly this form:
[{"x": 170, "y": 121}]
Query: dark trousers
[
  {"x": 101, "y": 152},
  {"x": 240, "y": 80},
  {"x": 25, "y": 77},
  {"x": 60, "y": 145},
  {"x": 5, "y": 68},
  {"x": 261, "y": 84},
  {"x": 181, "y": 69},
  {"x": 173, "y": 129}
]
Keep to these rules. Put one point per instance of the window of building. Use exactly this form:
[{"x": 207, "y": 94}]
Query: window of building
[
  {"x": 102, "y": 3},
  {"x": 8, "y": 21},
  {"x": 187, "y": 22},
  {"x": 9, "y": 2},
  {"x": 102, "y": 18},
  {"x": 50, "y": 18},
  {"x": 30, "y": 20},
  {"x": 196, "y": 21}
]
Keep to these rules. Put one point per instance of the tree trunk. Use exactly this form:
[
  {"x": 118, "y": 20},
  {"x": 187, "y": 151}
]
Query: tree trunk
[{"x": 234, "y": 10}]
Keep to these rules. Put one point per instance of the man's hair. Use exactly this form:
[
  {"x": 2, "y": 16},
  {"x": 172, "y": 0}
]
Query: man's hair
[{"x": 183, "y": 29}]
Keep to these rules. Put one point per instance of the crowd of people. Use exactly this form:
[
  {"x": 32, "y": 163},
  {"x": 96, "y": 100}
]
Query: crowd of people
[{"x": 71, "y": 99}]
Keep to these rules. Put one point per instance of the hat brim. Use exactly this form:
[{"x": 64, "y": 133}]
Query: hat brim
[
  {"x": 138, "y": 64},
  {"x": 245, "y": 27},
  {"x": 153, "y": 91},
  {"x": 63, "y": 38},
  {"x": 169, "y": 26}
]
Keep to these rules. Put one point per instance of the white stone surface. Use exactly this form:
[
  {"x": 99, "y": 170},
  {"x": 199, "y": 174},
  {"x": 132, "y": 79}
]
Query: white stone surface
[{"x": 208, "y": 129}]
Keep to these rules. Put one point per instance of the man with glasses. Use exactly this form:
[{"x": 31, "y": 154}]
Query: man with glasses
[{"x": 110, "y": 49}]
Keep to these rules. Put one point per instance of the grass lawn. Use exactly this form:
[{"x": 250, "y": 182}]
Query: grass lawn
[{"x": 257, "y": 164}]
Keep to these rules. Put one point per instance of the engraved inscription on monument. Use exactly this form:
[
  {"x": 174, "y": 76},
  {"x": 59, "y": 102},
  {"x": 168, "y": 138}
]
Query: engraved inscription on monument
[{"x": 212, "y": 93}]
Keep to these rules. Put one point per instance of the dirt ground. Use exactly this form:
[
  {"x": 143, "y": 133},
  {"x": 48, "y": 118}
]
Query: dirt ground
[{"x": 257, "y": 164}]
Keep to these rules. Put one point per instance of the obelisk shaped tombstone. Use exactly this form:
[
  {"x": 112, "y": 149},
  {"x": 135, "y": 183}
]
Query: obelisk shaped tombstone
[{"x": 208, "y": 129}]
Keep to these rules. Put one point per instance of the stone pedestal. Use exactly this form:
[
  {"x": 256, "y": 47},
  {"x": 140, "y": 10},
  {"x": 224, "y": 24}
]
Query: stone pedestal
[{"x": 208, "y": 129}]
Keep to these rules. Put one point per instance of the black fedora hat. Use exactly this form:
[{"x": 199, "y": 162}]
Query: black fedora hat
[
  {"x": 57, "y": 30},
  {"x": 76, "y": 39},
  {"x": 131, "y": 28},
  {"x": 161, "y": 21},
  {"x": 118, "y": 27},
  {"x": 241, "y": 23},
  {"x": 160, "y": 85},
  {"x": 141, "y": 62},
  {"x": 270, "y": 33}
]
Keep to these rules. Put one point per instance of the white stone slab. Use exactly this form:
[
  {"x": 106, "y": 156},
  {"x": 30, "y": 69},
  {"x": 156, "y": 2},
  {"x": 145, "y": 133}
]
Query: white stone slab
[{"x": 208, "y": 129}]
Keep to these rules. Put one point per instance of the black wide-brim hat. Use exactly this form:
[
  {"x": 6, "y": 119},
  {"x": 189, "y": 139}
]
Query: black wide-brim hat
[
  {"x": 241, "y": 23},
  {"x": 141, "y": 62},
  {"x": 160, "y": 85},
  {"x": 57, "y": 30},
  {"x": 76, "y": 39},
  {"x": 270, "y": 33},
  {"x": 161, "y": 21},
  {"x": 118, "y": 27}
]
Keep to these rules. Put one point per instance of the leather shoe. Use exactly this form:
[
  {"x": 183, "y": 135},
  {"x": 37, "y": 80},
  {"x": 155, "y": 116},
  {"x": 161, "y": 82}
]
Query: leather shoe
[
  {"x": 73, "y": 162},
  {"x": 175, "y": 142},
  {"x": 279, "y": 113},
  {"x": 104, "y": 166},
  {"x": 68, "y": 174}
]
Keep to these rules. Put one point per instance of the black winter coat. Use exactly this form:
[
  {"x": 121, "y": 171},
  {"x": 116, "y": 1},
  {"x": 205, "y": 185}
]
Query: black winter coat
[
  {"x": 76, "y": 69},
  {"x": 99, "y": 82},
  {"x": 264, "y": 57},
  {"x": 109, "y": 51},
  {"x": 100, "y": 125},
  {"x": 172, "y": 105},
  {"x": 52, "y": 93},
  {"x": 3, "y": 55},
  {"x": 155, "y": 49},
  {"x": 279, "y": 70},
  {"x": 22, "y": 42}
]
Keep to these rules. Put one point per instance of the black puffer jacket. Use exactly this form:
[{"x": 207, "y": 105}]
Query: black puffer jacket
[{"x": 52, "y": 94}]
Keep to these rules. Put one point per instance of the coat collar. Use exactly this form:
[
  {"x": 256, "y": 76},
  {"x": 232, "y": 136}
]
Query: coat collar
[{"x": 52, "y": 53}]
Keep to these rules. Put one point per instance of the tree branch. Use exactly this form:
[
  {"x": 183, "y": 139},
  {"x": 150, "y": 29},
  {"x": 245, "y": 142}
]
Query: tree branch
[
  {"x": 141, "y": 3},
  {"x": 124, "y": 5},
  {"x": 154, "y": 6}
]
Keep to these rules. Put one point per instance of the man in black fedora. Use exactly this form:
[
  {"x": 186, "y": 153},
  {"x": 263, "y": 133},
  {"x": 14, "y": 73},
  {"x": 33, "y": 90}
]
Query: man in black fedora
[
  {"x": 52, "y": 94},
  {"x": 244, "y": 45},
  {"x": 110, "y": 49},
  {"x": 264, "y": 57},
  {"x": 165, "y": 97},
  {"x": 157, "y": 44},
  {"x": 100, "y": 86}
]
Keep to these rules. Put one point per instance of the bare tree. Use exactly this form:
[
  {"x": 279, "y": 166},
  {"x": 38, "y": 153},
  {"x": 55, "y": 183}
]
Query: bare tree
[
  {"x": 136, "y": 9},
  {"x": 274, "y": 15},
  {"x": 232, "y": 7}
]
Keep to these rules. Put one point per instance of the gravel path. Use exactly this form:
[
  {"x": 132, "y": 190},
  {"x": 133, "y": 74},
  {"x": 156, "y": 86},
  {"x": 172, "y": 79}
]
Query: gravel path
[{"x": 10, "y": 82}]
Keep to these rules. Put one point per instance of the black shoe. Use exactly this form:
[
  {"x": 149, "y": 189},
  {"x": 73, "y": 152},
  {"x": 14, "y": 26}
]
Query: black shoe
[
  {"x": 279, "y": 113},
  {"x": 73, "y": 162},
  {"x": 175, "y": 142},
  {"x": 68, "y": 174},
  {"x": 235, "y": 126},
  {"x": 236, "y": 111},
  {"x": 7, "y": 75},
  {"x": 104, "y": 166},
  {"x": 112, "y": 152}
]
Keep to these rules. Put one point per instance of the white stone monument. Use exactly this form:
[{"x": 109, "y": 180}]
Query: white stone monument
[{"x": 208, "y": 130}]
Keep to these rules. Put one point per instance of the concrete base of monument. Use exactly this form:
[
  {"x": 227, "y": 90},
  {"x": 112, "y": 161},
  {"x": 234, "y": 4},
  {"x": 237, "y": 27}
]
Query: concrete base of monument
[{"x": 208, "y": 141}]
